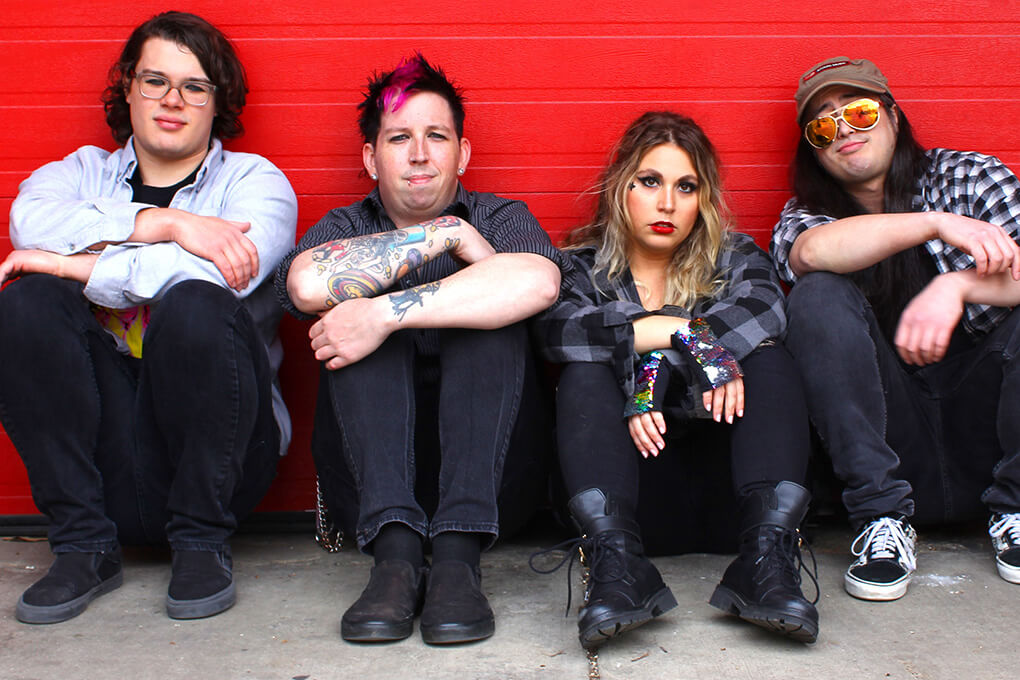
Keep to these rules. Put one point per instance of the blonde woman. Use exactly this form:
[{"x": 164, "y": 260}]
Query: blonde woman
[{"x": 681, "y": 421}]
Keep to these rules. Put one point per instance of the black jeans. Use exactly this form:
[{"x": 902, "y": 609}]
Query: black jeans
[
  {"x": 685, "y": 499},
  {"x": 176, "y": 446},
  {"x": 932, "y": 442},
  {"x": 468, "y": 453}
]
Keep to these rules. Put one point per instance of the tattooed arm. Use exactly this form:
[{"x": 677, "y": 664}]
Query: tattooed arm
[
  {"x": 365, "y": 266},
  {"x": 491, "y": 293}
]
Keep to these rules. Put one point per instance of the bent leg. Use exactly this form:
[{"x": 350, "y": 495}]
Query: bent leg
[
  {"x": 66, "y": 400},
  {"x": 208, "y": 441},
  {"x": 855, "y": 389},
  {"x": 772, "y": 441},
  {"x": 481, "y": 383},
  {"x": 371, "y": 409}
]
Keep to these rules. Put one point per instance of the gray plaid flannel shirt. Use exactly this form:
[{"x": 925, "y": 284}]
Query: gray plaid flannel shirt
[
  {"x": 959, "y": 182},
  {"x": 594, "y": 325}
]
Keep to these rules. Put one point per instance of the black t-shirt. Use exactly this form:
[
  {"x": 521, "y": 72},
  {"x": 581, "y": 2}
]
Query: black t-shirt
[{"x": 157, "y": 196}]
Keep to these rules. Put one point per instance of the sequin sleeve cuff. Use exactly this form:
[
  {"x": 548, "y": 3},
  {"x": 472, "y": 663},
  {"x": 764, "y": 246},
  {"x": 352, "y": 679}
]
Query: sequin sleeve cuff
[
  {"x": 649, "y": 374},
  {"x": 717, "y": 364}
]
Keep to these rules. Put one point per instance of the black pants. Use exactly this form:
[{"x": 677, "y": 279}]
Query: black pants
[
  {"x": 178, "y": 445},
  {"x": 468, "y": 452},
  {"x": 685, "y": 498},
  {"x": 940, "y": 442}
]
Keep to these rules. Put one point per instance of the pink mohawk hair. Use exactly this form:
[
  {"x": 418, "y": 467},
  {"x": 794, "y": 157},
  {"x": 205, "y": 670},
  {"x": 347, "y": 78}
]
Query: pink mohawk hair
[{"x": 397, "y": 92}]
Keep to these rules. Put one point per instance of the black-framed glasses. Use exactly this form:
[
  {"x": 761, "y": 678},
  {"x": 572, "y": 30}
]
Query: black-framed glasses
[
  {"x": 194, "y": 92},
  {"x": 860, "y": 114}
]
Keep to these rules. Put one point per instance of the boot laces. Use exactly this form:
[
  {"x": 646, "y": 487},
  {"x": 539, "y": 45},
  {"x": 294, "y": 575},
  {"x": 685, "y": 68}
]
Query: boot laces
[
  {"x": 785, "y": 551},
  {"x": 603, "y": 561},
  {"x": 885, "y": 539}
]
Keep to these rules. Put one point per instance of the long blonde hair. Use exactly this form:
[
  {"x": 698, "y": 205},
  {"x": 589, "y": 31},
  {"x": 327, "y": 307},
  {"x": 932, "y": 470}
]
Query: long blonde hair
[{"x": 692, "y": 272}]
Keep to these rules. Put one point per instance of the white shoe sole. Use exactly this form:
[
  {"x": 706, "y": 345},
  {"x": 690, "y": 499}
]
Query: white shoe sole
[
  {"x": 877, "y": 592},
  {"x": 1007, "y": 571}
]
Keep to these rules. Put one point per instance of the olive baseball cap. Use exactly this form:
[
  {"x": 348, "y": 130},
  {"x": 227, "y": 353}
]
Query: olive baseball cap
[{"x": 839, "y": 71}]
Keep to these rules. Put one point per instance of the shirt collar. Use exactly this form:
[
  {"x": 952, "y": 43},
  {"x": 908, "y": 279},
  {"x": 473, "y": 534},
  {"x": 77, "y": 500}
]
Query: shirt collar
[{"x": 128, "y": 161}]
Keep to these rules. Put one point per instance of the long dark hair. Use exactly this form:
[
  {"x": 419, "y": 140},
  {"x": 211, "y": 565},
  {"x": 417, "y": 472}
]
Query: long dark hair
[
  {"x": 891, "y": 283},
  {"x": 213, "y": 51}
]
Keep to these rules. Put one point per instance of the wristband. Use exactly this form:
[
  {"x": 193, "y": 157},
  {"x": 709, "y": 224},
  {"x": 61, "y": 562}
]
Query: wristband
[
  {"x": 716, "y": 362},
  {"x": 644, "y": 387}
]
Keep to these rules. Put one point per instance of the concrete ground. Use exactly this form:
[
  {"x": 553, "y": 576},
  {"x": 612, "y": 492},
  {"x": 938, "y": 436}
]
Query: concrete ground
[{"x": 955, "y": 622}]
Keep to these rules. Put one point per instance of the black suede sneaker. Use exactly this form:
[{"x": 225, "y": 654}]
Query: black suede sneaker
[
  {"x": 73, "y": 581},
  {"x": 455, "y": 610},
  {"x": 886, "y": 558},
  {"x": 201, "y": 584},
  {"x": 386, "y": 609}
]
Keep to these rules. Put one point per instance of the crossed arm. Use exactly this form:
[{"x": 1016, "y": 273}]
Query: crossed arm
[
  {"x": 220, "y": 241},
  {"x": 345, "y": 282},
  {"x": 927, "y": 323}
]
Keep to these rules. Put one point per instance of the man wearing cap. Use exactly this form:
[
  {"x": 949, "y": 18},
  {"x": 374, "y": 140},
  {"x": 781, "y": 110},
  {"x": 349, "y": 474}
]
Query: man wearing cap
[{"x": 905, "y": 269}]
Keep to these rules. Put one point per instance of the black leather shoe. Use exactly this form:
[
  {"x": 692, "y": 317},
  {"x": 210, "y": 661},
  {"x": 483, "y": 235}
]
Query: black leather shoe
[
  {"x": 387, "y": 607},
  {"x": 762, "y": 585},
  {"x": 456, "y": 609},
  {"x": 201, "y": 584},
  {"x": 73, "y": 581}
]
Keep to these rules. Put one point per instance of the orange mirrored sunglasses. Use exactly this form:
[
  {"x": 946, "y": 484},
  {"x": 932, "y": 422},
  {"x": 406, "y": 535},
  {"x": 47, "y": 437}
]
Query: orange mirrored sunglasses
[{"x": 860, "y": 114}]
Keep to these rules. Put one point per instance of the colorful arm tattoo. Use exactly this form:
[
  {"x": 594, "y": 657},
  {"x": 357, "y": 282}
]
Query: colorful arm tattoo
[
  {"x": 365, "y": 266},
  {"x": 648, "y": 376},
  {"x": 406, "y": 299},
  {"x": 716, "y": 362}
]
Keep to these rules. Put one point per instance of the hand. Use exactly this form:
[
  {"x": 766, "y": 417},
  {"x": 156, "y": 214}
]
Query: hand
[
  {"x": 927, "y": 323},
  {"x": 20, "y": 262},
  {"x": 76, "y": 267},
  {"x": 222, "y": 242},
  {"x": 646, "y": 429},
  {"x": 471, "y": 246},
  {"x": 726, "y": 400},
  {"x": 991, "y": 246},
  {"x": 349, "y": 332}
]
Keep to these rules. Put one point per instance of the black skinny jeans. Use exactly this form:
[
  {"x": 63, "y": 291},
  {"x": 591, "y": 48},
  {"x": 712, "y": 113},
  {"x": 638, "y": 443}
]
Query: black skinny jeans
[
  {"x": 385, "y": 433},
  {"x": 685, "y": 499},
  {"x": 177, "y": 446},
  {"x": 940, "y": 442}
]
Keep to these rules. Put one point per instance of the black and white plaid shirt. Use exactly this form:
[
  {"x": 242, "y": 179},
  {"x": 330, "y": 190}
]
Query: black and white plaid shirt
[
  {"x": 960, "y": 182},
  {"x": 594, "y": 324}
]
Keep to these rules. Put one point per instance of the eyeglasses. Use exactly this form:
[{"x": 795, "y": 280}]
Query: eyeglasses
[
  {"x": 194, "y": 92},
  {"x": 860, "y": 114}
]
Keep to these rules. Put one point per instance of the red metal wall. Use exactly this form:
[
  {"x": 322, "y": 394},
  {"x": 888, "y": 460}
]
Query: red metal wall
[{"x": 550, "y": 86}]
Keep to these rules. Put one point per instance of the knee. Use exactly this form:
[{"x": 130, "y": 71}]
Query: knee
[
  {"x": 193, "y": 314},
  {"x": 584, "y": 377},
  {"x": 823, "y": 303},
  {"x": 34, "y": 308},
  {"x": 822, "y": 293}
]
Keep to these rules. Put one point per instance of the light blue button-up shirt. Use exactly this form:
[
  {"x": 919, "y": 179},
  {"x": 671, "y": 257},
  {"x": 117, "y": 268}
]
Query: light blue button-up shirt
[{"x": 68, "y": 205}]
